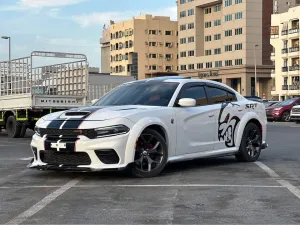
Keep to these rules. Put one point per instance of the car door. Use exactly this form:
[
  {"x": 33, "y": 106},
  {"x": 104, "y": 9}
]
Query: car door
[
  {"x": 195, "y": 125},
  {"x": 228, "y": 114}
]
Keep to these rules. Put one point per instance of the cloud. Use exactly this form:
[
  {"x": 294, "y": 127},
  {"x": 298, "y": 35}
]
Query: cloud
[
  {"x": 95, "y": 18},
  {"x": 23, "y": 5},
  {"x": 65, "y": 42}
]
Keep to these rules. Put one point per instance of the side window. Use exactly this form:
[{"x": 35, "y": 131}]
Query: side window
[
  {"x": 231, "y": 97},
  {"x": 217, "y": 95},
  {"x": 196, "y": 92}
]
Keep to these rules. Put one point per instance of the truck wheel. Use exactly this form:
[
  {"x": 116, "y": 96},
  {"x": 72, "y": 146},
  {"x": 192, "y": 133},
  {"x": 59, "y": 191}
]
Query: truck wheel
[
  {"x": 12, "y": 127},
  {"x": 297, "y": 121},
  {"x": 23, "y": 131},
  {"x": 250, "y": 147}
]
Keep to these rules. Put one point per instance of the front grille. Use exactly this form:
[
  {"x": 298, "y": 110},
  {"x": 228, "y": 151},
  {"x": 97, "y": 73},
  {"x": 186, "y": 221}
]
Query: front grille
[
  {"x": 65, "y": 158},
  {"x": 296, "y": 110},
  {"x": 89, "y": 133},
  {"x": 108, "y": 156}
]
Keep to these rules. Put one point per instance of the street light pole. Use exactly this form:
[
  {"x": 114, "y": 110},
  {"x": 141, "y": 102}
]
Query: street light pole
[
  {"x": 255, "y": 89},
  {"x": 9, "y": 59}
]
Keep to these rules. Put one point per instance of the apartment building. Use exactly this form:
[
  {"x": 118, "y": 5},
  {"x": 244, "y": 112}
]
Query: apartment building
[
  {"x": 224, "y": 40},
  {"x": 105, "y": 50},
  {"x": 285, "y": 42},
  {"x": 144, "y": 46},
  {"x": 281, "y": 6}
]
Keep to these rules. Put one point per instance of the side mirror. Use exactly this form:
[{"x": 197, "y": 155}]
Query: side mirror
[
  {"x": 187, "y": 102},
  {"x": 94, "y": 101}
]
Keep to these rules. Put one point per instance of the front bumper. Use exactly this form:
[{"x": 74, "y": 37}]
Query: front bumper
[
  {"x": 295, "y": 116},
  {"x": 108, "y": 153}
]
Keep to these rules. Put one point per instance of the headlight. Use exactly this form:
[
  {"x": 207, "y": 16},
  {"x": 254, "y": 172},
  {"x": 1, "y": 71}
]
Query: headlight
[
  {"x": 277, "y": 109},
  {"x": 111, "y": 131},
  {"x": 37, "y": 131}
]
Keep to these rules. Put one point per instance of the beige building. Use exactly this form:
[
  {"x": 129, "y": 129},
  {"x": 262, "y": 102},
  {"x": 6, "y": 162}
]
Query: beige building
[
  {"x": 285, "y": 41},
  {"x": 223, "y": 40},
  {"x": 105, "y": 51},
  {"x": 144, "y": 46}
]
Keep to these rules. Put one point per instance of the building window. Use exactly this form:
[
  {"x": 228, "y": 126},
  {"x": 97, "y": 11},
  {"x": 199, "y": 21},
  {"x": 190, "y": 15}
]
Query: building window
[
  {"x": 191, "y": 66},
  {"x": 228, "y": 48},
  {"x": 207, "y": 11},
  {"x": 182, "y": 54},
  {"x": 182, "y": 14},
  {"x": 208, "y": 65},
  {"x": 152, "y": 43},
  {"x": 183, "y": 27},
  {"x": 191, "y": 53},
  {"x": 217, "y": 8},
  {"x": 238, "y": 31},
  {"x": 217, "y": 37},
  {"x": 208, "y": 52},
  {"x": 228, "y": 17},
  {"x": 207, "y": 38},
  {"x": 154, "y": 32},
  {"x": 199, "y": 65},
  {"x": 239, "y": 62},
  {"x": 182, "y": 1},
  {"x": 182, "y": 41},
  {"x": 217, "y": 51},
  {"x": 183, "y": 67},
  {"x": 228, "y": 62},
  {"x": 168, "y": 32},
  {"x": 207, "y": 24},
  {"x": 168, "y": 44},
  {"x": 217, "y": 23},
  {"x": 153, "y": 67},
  {"x": 228, "y": 3},
  {"x": 228, "y": 33},
  {"x": 218, "y": 64},
  {"x": 238, "y": 16},
  {"x": 153, "y": 56},
  {"x": 238, "y": 1},
  {"x": 191, "y": 39},
  {"x": 130, "y": 44},
  {"x": 191, "y": 26},
  {"x": 239, "y": 46},
  {"x": 191, "y": 12}
]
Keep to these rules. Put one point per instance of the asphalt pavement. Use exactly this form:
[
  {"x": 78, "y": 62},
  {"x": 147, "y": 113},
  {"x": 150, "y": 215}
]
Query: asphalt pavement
[{"x": 206, "y": 191}]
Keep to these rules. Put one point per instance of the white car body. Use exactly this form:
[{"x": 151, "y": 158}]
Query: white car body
[
  {"x": 295, "y": 113},
  {"x": 190, "y": 132}
]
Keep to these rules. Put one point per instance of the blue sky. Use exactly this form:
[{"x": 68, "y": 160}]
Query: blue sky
[{"x": 67, "y": 25}]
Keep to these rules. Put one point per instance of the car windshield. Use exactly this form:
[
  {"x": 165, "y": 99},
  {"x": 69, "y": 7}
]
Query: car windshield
[
  {"x": 146, "y": 93},
  {"x": 287, "y": 102}
]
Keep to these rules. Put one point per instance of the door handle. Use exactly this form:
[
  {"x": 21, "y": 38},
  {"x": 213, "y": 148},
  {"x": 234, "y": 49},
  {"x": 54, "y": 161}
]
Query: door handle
[
  {"x": 211, "y": 115},
  {"x": 240, "y": 109}
]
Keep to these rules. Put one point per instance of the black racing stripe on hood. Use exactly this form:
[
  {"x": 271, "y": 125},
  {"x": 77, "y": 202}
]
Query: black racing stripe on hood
[
  {"x": 55, "y": 124},
  {"x": 72, "y": 124}
]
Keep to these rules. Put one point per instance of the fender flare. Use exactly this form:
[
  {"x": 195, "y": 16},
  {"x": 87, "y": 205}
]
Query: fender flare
[{"x": 137, "y": 130}]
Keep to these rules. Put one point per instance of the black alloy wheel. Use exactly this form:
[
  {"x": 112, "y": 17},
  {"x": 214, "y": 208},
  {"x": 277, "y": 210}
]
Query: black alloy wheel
[
  {"x": 251, "y": 143},
  {"x": 151, "y": 154}
]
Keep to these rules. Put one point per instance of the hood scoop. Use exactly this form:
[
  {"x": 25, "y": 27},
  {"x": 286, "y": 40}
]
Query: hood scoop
[{"x": 80, "y": 113}]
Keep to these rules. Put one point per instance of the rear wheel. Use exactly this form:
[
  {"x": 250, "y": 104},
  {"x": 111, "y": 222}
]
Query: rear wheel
[
  {"x": 151, "y": 154},
  {"x": 12, "y": 127},
  {"x": 250, "y": 147},
  {"x": 23, "y": 131},
  {"x": 285, "y": 116}
]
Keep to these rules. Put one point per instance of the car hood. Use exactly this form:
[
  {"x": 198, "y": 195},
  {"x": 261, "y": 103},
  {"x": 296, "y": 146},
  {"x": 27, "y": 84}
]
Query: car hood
[{"x": 98, "y": 113}]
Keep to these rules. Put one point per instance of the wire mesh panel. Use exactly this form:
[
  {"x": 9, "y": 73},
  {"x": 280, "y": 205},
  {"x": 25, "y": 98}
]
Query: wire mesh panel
[{"x": 96, "y": 91}]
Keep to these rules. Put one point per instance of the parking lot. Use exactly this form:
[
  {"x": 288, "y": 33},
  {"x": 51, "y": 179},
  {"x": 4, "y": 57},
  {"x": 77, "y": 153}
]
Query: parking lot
[{"x": 206, "y": 191}]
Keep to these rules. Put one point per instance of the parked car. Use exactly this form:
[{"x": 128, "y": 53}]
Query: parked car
[
  {"x": 295, "y": 114},
  {"x": 143, "y": 125},
  {"x": 254, "y": 98},
  {"x": 282, "y": 110}
]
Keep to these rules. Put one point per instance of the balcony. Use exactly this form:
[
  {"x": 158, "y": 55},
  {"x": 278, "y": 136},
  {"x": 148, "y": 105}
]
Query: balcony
[
  {"x": 294, "y": 30},
  {"x": 284, "y": 50},
  {"x": 285, "y": 69},
  {"x": 294, "y": 68},
  {"x": 284, "y": 32},
  {"x": 285, "y": 87},
  {"x": 294, "y": 49},
  {"x": 294, "y": 87}
]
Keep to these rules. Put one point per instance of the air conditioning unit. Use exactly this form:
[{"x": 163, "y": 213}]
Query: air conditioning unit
[
  {"x": 160, "y": 43},
  {"x": 160, "y": 55},
  {"x": 168, "y": 58},
  {"x": 170, "y": 45},
  {"x": 146, "y": 42}
]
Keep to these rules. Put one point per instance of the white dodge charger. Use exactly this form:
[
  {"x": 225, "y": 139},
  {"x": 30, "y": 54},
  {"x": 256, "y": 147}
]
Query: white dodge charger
[{"x": 143, "y": 125}]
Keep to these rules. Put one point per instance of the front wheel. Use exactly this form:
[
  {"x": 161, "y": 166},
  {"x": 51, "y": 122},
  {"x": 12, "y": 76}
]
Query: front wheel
[
  {"x": 12, "y": 127},
  {"x": 297, "y": 121},
  {"x": 251, "y": 143},
  {"x": 151, "y": 154}
]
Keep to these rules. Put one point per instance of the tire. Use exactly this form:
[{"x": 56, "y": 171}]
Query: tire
[
  {"x": 13, "y": 128},
  {"x": 159, "y": 155},
  {"x": 246, "y": 152},
  {"x": 285, "y": 117},
  {"x": 297, "y": 121},
  {"x": 23, "y": 131}
]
